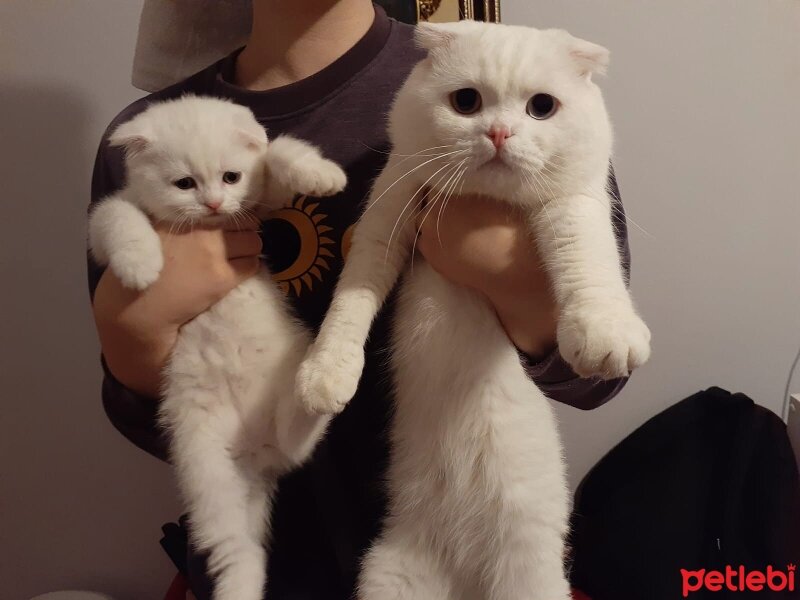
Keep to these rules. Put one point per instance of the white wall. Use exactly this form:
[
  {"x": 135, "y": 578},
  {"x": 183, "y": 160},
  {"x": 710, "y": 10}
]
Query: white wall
[
  {"x": 703, "y": 95},
  {"x": 79, "y": 506}
]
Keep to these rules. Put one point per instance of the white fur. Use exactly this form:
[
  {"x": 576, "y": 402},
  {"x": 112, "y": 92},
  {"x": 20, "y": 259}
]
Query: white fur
[
  {"x": 229, "y": 387},
  {"x": 479, "y": 503}
]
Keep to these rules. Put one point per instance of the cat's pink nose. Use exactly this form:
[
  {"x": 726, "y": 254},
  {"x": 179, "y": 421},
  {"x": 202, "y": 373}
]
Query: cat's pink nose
[
  {"x": 499, "y": 134},
  {"x": 214, "y": 204}
]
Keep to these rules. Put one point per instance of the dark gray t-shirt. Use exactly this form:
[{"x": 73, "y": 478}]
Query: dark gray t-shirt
[{"x": 327, "y": 512}]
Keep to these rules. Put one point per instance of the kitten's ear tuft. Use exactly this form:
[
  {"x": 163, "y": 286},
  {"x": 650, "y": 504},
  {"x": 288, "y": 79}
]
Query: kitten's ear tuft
[
  {"x": 590, "y": 58},
  {"x": 133, "y": 136}
]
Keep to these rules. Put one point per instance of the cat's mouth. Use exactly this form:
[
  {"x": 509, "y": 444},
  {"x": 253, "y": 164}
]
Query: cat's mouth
[{"x": 496, "y": 162}]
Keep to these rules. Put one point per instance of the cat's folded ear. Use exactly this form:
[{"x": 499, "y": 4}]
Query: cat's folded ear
[
  {"x": 249, "y": 131},
  {"x": 134, "y": 137},
  {"x": 430, "y": 36},
  {"x": 588, "y": 57}
]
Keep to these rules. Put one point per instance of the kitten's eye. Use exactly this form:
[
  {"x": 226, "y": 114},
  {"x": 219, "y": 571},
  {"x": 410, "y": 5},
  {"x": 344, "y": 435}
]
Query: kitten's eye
[
  {"x": 542, "y": 106},
  {"x": 231, "y": 177},
  {"x": 466, "y": 101},
  {"x": 185, "y": 183}
]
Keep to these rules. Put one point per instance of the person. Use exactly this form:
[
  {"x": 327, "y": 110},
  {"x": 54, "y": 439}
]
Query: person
[{"x": 324, "y": 71}]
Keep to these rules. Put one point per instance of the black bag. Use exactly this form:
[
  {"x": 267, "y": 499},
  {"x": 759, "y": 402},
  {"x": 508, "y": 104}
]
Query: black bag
[{"x": 700, "y": 499}]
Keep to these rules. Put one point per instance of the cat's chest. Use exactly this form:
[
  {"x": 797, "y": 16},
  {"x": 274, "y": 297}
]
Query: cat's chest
[
  {"x": 447, "y": 337},
  {"x": 252, "y": 318}
]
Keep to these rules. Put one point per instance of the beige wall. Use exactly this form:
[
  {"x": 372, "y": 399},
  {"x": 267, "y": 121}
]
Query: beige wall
[
  {"x": 704, "y": 98},
  {"x": 79, "y": 506},
  {"x": 703, "y": 95}
]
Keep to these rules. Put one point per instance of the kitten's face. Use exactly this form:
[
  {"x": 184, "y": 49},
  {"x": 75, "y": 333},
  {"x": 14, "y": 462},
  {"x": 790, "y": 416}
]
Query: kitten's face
[
  {"x": 514, "y": 106},
  {"x": 199, "y": 183},
  {"x": 200, "y": 161}
]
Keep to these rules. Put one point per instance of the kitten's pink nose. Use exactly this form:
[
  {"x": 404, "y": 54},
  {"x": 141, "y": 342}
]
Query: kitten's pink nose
[
  {"x": 214, "y": 204},
  {"x": 499, "y": 134}
]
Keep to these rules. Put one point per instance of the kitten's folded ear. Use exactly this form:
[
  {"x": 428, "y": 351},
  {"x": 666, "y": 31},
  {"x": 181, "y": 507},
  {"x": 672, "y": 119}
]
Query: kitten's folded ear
[
  {"x": 588, "y": 57},
  {"x": 249, "y": 131},
  {"x": 134, "y": 136}
]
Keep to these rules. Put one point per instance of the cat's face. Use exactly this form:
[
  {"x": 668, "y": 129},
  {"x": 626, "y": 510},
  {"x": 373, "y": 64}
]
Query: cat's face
[
  {"x": 194, "y": 160},
  {"x": 515, "y": 107}
]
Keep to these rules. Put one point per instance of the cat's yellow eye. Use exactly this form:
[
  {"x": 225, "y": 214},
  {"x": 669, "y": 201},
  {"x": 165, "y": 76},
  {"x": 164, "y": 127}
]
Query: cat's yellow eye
[
  {"x": 185, "y": 183},
  {"x": 231, "y": 177},
  {"x": 466, "y": 101},
  {"x": 542, "y": 106}
]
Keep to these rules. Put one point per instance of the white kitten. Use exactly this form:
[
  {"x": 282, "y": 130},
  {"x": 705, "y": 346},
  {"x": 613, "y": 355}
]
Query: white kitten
[
  {"x": 228, "y": 392},
  {"x": 479, "y": 503}
]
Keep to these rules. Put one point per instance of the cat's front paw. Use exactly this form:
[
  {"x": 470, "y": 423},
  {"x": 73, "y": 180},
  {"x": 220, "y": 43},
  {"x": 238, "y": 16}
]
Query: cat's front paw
[
  {"x": 320, "y": 177},
  {"x": 328, "y": 378},
  {"x": 604, "y": 341},
  {"x": 139, "y": 271}
]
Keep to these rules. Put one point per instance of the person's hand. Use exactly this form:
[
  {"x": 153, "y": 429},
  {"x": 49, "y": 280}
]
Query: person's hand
[
  {"x": 486, "y": 245},
  {"x": 137, "y": 330}
]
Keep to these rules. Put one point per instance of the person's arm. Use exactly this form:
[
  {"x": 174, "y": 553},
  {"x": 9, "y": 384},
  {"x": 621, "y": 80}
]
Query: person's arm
[
  {"x": 137, "y": 330},
  {"x": 487, "y": 246}
]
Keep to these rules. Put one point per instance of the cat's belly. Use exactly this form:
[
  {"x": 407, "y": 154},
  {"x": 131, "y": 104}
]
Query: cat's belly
[
  {"x": 236, "y": 361},
  {"x": 474, "y": 439}
]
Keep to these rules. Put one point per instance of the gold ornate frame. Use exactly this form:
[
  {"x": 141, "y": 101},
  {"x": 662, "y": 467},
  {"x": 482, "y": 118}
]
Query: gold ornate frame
[
  {"x": 442, "y": 11},
  {"x": 478, "y": 10}
]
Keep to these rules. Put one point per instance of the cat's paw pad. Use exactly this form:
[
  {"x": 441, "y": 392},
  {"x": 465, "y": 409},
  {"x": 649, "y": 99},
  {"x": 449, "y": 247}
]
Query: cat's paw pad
[
  {"x": 321, "y": 177},
  {"x": 327, "y": 380},
  {"x": 608, "y": 342},
  {"x": 137, "y": 272}
]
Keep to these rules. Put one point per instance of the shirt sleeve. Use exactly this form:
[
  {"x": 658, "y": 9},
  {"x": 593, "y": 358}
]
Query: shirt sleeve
[
  {"x": 132, "y": 414},
  {"x": 552, "y": 374}
]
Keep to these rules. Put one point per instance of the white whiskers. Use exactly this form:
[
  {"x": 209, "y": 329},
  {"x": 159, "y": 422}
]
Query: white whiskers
[
  {"x": 405, "y": 208},
  {"x": 409, "y": 172}
]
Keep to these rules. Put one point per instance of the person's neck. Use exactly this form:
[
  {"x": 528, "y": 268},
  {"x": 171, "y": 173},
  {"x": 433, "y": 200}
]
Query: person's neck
[{"x": 293, "y": 39}]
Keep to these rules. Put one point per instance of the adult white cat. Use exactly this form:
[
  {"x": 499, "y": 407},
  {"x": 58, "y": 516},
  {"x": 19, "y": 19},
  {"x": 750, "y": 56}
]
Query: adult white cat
[
  {"x": 478, "y": 500},
  {"x": 228, "y": 396}
]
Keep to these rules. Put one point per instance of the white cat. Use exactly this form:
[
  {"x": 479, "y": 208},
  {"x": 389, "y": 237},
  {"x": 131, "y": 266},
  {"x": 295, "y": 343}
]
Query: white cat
[
  {"x": 228, "y": 396},
  {"x": 478, "y": 499}
]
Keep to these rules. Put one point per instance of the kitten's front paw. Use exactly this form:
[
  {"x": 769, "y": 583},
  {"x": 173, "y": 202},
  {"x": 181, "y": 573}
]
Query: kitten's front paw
[
  {"x": 320, "y": 177},
  {"x": 328, "y": 378},
  {"x": 137, "y": 272},
  {"x": 609, "y": 342}
]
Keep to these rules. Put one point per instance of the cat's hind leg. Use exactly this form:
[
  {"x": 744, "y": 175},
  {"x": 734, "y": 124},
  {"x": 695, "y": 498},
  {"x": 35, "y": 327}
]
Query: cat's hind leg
[
  {"x": 259, "y": 505},
  {"x": 396, "y": 568},
  {"x": 529, "y": 565},
  {"x": 222, "y": 496},
  {"x": 519, "y": 580}
]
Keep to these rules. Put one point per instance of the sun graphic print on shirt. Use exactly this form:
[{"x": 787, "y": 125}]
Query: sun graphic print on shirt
[{"x": 302, "y": 226}]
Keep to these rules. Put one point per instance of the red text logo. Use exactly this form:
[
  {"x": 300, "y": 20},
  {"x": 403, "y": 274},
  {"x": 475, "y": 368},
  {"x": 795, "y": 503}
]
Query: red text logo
[{"x": 738, "y": 580}]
